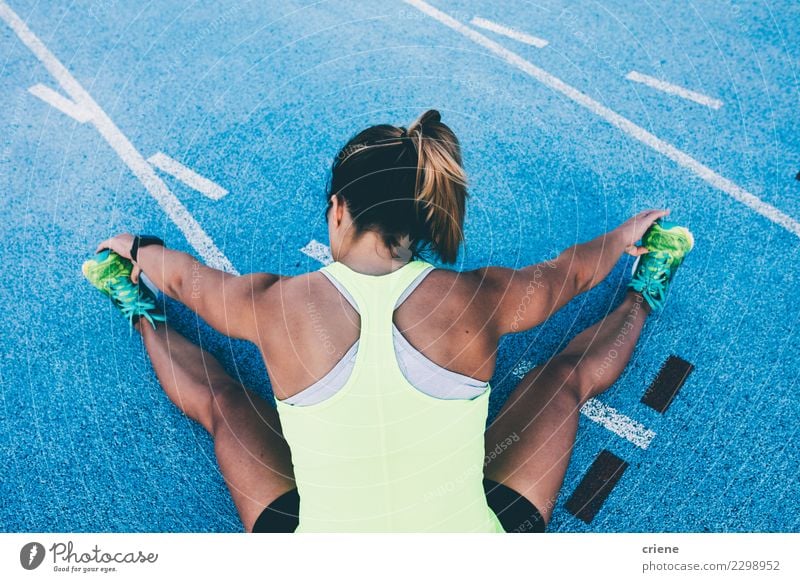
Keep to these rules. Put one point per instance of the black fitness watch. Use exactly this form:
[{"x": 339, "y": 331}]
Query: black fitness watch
[{"x": 143, "y": 240}]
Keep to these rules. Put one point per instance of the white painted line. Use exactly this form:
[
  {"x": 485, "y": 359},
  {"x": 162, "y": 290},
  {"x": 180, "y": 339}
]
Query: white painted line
[
  {"x": 318, "y": 251},
  {"x": 522, "y": 368},
  {"x": 189, "y": 177},
  {"x": 639, "y": 133},
  {"x": 618, "y": 423},
  {"x": 60, "y": 102},
  {"x": 509, "y": 32},
  {"x": 603, "y": 415},
  {"x": 169, "y": 203},
  {"x": 674, "y": 89}
]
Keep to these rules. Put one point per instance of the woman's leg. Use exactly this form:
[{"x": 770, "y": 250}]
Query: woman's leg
[
  {"x": 541, "y": 415},
  {"x": 252, "y": 454}
]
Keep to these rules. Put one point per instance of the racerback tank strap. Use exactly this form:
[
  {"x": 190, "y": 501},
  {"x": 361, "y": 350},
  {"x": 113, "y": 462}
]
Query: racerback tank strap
[{"x": 381, "y": 293}]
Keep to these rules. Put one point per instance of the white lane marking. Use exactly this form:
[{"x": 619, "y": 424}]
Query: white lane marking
[
  {"x": 674, "y": 89},
  {"x": 522, "y": 368},
  {"x": 189, "y": 177},
  {"x": 639, "y": 133},
  {"x": 607, "y": 417},
  {"x": 509, "y": 32},
  {"x": 169, "y": 203},
  {"x": 618, "y": 423},
  {"x": 60, "y": 102},
  {"x": 318, "y": 251}
]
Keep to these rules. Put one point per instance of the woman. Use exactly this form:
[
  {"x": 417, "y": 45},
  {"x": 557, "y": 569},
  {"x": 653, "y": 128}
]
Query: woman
[{"x": 380, "y": 363}]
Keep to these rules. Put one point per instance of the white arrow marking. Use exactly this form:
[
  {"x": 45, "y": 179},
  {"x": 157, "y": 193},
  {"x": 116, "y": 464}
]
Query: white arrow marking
[
  {"x": 60, "y": 102},
  {"x": 674, "y": 89},
  {"x": 622, "y": 123},
  {"x": 189, "y": 177},
  {"x": 509, "y": 32},
  {"x": 168, "y": 202},
  {"x": 318, "y": 251}
]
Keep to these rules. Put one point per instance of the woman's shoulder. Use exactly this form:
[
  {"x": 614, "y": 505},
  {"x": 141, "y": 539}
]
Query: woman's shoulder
[
  {"x": 469, "y": 280},
  {"x": 463, "y": 290},
  {"x": 297, "y": 286}
]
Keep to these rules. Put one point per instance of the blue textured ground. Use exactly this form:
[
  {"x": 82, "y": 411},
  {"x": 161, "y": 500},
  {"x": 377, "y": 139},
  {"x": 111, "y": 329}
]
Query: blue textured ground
[{"x": 258, "y": 95}]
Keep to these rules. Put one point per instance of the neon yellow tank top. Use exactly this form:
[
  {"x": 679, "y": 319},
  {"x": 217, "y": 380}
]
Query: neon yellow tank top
[{"x": 379, "y": 455}]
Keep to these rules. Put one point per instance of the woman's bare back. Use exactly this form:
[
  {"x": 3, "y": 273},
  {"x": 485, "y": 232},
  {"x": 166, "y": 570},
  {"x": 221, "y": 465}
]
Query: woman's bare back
[{"x": 306, "y": 326}]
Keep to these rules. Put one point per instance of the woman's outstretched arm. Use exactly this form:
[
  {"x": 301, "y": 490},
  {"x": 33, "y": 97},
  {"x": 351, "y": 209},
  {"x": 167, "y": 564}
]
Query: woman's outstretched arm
[
  {"x": 524, "y": 298},
  {"x": 226, "y": 302}
]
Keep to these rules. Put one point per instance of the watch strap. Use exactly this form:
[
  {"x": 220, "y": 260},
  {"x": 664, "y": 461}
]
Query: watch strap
[{"x": 143, "y": 240}]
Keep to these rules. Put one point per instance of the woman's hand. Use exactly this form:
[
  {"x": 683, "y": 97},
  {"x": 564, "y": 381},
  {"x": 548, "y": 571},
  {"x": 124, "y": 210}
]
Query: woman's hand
[
  {"x": 121, "y": 244},
  {"x": 633, "y": 230}
]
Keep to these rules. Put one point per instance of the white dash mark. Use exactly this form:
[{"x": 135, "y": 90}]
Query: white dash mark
[
  {"x": 522, "y": 368},
  {"x": 168, "y": 202},
  {"x": 318, "y": 251},
  {"x": 509, "y": 32},
  {"x": 674, "y": 89},
  {"x": 618, "y": 423},
  {"x": 60, "y": 102},
  {"x": 189, "y": 177},
  {"x": 627, "y": 126}
]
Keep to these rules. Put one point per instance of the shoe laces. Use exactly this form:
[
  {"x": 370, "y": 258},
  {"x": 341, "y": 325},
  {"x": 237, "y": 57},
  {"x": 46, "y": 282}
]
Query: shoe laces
[
  {"x": 132, "y": 302},
  {"x": 653, "y": 275}
]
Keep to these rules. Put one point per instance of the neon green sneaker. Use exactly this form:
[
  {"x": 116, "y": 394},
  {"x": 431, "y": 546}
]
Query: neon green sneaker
[
  {"x": 668, "y": 244},
  {"x": 111, "y": 274}
]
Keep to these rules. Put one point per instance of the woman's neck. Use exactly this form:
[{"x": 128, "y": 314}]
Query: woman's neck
[{"x": 369, "y": 255}]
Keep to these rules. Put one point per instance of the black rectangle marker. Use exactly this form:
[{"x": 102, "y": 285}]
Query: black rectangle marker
[
  {"x": 667, "y": 383},
  {"x": 596, "y": 485}
]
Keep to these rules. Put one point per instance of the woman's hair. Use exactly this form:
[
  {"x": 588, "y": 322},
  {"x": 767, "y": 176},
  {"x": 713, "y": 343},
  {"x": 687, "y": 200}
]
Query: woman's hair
[{"x": 397, "y": 182}]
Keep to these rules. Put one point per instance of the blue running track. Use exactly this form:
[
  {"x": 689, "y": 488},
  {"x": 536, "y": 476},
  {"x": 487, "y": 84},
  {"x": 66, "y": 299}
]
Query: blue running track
[{"x": 561, "y": 143}]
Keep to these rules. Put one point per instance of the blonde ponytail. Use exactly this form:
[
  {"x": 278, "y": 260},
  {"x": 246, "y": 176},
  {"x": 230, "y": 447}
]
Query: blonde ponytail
[{"x": 441, "y": 183}]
